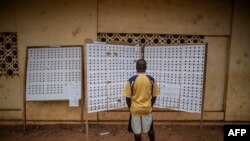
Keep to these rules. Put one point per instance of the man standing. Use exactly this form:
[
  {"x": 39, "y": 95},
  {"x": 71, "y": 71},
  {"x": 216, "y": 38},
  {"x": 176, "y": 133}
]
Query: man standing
[{"x": 140, "y": 92}]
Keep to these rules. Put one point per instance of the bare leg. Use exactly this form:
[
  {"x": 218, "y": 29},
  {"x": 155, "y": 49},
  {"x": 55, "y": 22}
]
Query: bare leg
[
  {"x": 137, "y": 137},
  {"x": 151, "y": 135}
]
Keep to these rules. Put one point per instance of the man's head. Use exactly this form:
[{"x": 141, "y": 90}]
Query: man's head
[{"x": 141, "y": 66}]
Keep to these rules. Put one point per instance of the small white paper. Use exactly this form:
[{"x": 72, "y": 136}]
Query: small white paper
[
  {"x": 74, "y": 93},
  {"x": 136, "y": 48},
  {"x": 74, "y": 90},
  {"x": 171, "y": 90},
  {"x": 73, "y": 102}
]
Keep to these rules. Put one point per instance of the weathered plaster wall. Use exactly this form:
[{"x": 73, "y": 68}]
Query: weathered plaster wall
[
  {"x": 238, "y": 96},
  {"x": 211, "y": 19},
  {"x": 10, "y": 90},
  {"x": 53, "y": 22},
  {"x": 216, "y": 68},
  {"x": 70, "y": 22},
  {"x": 165, "y": 16},
  {"x": 7, "y": 16}
]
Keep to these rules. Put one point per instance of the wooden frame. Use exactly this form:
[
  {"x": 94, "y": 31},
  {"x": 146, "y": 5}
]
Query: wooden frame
[
  {"x": 203, "y": 92},
  {"x": 142, "y": 55},
  {"x": 85, "y": 94},
  {"x": 25, "y": 75},
  {"x": 85, "y": 80},
  {"x": 204, "y": 81},
  {"x": 84, "y": 98}
]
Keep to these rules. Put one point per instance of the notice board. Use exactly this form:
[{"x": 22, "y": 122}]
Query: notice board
[
  {"x": 179, "y": 71},
  {"x": 108, "y": 67},
  {"x": 53, "y": 73}
]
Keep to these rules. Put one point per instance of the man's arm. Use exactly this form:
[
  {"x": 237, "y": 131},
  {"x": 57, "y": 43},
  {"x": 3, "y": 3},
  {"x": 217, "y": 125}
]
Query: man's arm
[
  {"x": 153, "y": 101},
  {"x": 155, "y": 93},
  {"x": 127, "y": 93},
  {"x": 128, "y": 101}
]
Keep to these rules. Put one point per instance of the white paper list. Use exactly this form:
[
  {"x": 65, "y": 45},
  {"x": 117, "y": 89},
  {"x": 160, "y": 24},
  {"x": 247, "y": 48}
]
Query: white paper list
[
  {"x": 179, "y": 70},
  {"x": 53, "y": 73},
  {"x": 108, "y": 68}
]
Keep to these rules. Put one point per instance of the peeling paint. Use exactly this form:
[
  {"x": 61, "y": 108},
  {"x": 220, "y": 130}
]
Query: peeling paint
[
  {"x": 216, "y": 25},
  {"x": 238, "y": 61},
  {"x": 197, "y": 19},
  {"x": 76, "y": 31}
]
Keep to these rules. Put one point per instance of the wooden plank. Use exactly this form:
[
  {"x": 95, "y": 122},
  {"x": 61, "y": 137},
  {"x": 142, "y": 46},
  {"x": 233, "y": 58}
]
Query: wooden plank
[
  {"x": 163, "y": 116},
  {"x": 85, "y": 94}
]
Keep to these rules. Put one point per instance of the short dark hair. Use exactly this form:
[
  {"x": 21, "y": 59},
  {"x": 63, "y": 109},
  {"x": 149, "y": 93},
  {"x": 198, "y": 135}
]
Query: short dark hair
[{"x": 141, "y": 65}]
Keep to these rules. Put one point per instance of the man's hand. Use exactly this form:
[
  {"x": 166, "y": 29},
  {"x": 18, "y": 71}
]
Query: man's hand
[
  {"x": 153, "y": 101},
  {"x": 128, "y": 101}
]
